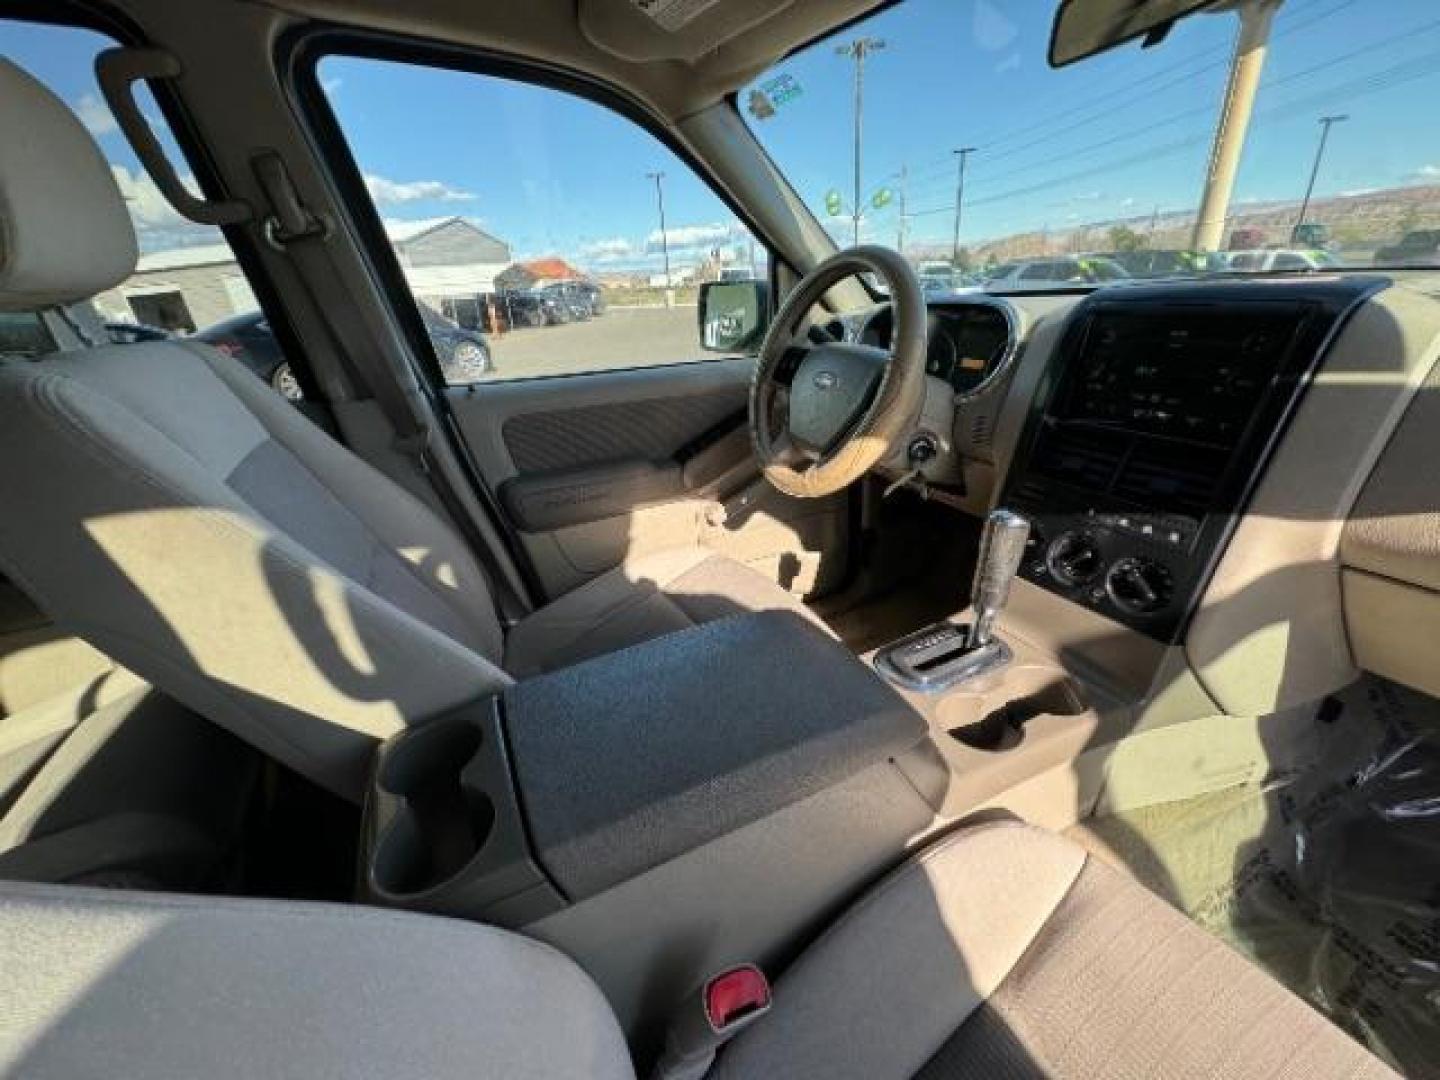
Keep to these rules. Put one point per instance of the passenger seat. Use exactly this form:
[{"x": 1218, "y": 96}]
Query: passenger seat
[{"x": 1001, "y": 951}]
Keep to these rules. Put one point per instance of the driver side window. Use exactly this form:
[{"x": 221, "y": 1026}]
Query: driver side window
[{"x": 530, "y": 231}]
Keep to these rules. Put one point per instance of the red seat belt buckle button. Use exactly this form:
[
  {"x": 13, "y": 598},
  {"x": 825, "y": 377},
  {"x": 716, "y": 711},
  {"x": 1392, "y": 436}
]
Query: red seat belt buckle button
[{"x": 736, "y": 996}]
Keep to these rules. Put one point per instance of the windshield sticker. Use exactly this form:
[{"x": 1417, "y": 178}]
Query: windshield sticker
[
  {"x": 673, "y": 15},
  {"x": 772, "y": 94}
]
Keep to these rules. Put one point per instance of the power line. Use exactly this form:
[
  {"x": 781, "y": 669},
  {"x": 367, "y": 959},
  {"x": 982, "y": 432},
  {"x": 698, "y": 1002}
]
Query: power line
[
  {"x": 1060, "y": 121},
  {"x": 1396, "y": 75},
  {"x": 1171, "y": 76},
  {"x": 1207, "y": 110}
]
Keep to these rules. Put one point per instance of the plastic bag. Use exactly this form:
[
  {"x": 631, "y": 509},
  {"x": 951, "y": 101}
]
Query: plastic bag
[{"x": 1328, "y": 875}]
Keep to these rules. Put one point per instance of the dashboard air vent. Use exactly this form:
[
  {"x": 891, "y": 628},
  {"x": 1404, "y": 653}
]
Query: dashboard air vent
[
  {"x": 1176, "y": 480},
  {"x": 1083, "y": 459}
]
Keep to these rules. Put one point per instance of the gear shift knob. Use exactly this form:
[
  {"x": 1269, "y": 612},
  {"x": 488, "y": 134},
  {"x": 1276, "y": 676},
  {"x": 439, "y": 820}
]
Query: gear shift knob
[{"x": 1002, "y": 545}]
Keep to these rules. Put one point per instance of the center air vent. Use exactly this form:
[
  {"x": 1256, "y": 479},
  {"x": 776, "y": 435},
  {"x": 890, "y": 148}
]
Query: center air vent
[
  {"x": 1171, "y": 479},
  {"x": 1083, "y": 459}
]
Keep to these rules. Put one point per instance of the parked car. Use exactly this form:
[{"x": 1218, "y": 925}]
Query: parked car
[
  {"x": 1165, "y": 262},
  {"x": 464, "y": 355},
  {"x": 128, "y": 333},
  {"x": 567, "y": 294},
  {"x": 590, "y": 293},
  {"x": 1311, "y": 234},
  {"x": 1419, "y": 248},
  {"x": 1055, "y": 273},
  {"x": 1276, "y": 260},
  {"x": 533, "y": 307},
  {"x": 1246, "y": 239}
]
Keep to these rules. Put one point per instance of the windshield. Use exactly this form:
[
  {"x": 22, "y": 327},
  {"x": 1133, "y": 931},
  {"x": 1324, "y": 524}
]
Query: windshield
[{"x": 973, "y": 154}]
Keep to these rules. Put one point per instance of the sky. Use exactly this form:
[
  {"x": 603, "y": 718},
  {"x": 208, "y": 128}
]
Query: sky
[{"x": 1118, "y": 136}]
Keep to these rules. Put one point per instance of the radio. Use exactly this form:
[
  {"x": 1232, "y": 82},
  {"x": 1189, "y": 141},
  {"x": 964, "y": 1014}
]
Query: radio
[{"x": 1158, "y": 410}]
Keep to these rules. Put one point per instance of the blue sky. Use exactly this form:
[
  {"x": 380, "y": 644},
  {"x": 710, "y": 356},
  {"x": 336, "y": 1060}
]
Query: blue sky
[{"x": 1113, "y": 137}]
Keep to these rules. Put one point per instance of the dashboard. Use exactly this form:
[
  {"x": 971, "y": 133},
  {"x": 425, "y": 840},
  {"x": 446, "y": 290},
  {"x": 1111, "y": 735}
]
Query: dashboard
[
  {"x": 969, "y": 340},
  {"x": 1137, "y": 432}
]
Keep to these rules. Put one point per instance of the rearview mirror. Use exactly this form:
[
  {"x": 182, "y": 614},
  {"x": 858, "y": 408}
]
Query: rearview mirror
[
  {"x": 734, "y": 315},
  {"x": 1084, "y": 28}
]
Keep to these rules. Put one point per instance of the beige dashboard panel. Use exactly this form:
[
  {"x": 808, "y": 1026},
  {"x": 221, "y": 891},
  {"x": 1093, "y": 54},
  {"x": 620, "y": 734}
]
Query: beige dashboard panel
[
  {"x": 1391, "y": 552},
  {"x": 1270, "y": 632},
  {"x": 1393, "y": 628}
]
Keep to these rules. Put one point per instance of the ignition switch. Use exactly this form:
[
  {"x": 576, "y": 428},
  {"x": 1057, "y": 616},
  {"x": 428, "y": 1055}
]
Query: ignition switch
[{"x": 922, "y": 449}]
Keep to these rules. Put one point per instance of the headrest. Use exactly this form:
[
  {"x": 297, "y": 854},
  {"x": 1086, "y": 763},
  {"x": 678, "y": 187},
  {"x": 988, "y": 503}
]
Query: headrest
[{"x": 64, "y": 232}]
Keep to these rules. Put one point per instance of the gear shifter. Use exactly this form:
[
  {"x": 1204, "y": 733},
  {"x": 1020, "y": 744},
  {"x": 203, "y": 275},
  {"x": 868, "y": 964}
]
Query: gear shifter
[
  {"x": 1002, "y": 546},
  {"x": 946, "y": 653}
]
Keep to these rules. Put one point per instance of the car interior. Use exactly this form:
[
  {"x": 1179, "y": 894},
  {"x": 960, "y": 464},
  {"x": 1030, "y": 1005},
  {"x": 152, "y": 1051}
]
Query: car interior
[{"x": 837, "y": 706}]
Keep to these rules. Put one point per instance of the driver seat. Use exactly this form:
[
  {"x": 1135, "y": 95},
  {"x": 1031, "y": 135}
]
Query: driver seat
[{"x": 179, "y": 515}]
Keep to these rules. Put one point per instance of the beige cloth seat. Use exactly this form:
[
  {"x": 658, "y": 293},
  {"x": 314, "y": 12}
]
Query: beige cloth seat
[
  {"x": 1006, "y": 951},
  {"x": 103, "y": 779},
  {"x": 1001, "y": 951},
  {"x": 186, "y": 521}
]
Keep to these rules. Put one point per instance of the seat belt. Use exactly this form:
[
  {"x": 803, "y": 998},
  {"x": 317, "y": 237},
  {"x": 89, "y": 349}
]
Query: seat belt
[{"x": 301, "y": 234}]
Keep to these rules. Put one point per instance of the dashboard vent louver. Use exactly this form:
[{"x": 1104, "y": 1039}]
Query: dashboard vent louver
[
  {"x": 1083, "y": 459},
  {"x": 1177, "y": 480}
]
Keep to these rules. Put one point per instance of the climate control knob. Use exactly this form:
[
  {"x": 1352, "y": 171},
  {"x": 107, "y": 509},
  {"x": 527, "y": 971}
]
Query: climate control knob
[
  {"x": 1074, "y": 558},
  {"x": 1140, "y": 586}
]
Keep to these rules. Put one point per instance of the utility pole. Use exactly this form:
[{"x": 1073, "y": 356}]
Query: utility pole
[
  {"x": 1326, "y": 122},
  {"x": 857, "y": 51},
  {"x": 904, "y": 207},
  {"x": 961, "y": 156},
  {"x": 664, "y": 237},
  {"x": 1245, "y": 67}
]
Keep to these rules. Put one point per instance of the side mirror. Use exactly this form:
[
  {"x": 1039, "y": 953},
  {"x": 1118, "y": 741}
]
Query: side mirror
[{"x": 734, "y": 315}]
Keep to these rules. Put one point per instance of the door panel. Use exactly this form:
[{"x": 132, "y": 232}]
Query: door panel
[{"x": 597, "y": 468}]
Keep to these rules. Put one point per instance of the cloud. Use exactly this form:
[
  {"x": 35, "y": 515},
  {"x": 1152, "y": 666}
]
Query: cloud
[
  {"x": 384, "y": 190},
  {"x": 612, "y": 250},
  {"x": 690, "y": 237},
  {"x": 95, "y": 115},
  {"x": 993, "y": 30},
  {"x": 332, "y": 85},
  {"x": 158, "y": 225},
  {"x": 1425, "y": 172}
]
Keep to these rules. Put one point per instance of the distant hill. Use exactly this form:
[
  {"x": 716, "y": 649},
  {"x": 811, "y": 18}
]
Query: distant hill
[{"x": 1359, "y": 223}]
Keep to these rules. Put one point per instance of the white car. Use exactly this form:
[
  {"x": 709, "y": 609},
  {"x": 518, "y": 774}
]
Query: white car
[
  {"x": 1056, "y": 272},
  {"x": 1277, "y": 260}
]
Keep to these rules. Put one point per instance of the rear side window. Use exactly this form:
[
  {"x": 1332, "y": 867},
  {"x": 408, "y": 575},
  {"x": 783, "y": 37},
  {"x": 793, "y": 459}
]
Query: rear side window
[
  {"x": 22, "y": 333},
  {"x": 187, "y": 281}
]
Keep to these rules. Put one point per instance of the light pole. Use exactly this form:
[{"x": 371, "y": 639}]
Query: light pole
[
  {"x": 858, "y": 50},
  {"x": 664, "y": 237},
  {"x": 961, "y": 156},
  {"x": 904, "y": 207},
  {"x": 1326, "y": 122}
]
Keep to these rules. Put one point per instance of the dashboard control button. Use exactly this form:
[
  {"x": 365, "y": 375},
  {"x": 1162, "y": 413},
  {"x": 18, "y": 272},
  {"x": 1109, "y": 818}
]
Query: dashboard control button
[
  {"x": 1074, "y": 558},
  {"x": 1139, "y": 585}
]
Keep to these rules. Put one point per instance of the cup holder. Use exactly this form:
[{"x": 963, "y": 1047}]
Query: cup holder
[
  {"x": 440, "y": 822},
  {"x": 1002, "y": 727}
]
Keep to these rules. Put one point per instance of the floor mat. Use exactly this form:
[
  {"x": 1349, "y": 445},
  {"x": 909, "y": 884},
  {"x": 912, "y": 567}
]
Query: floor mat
[{"x": 1329, "y": 876}]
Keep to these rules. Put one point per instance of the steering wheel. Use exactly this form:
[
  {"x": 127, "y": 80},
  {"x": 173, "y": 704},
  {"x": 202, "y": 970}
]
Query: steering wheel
[{"x": 823, "y": 415}]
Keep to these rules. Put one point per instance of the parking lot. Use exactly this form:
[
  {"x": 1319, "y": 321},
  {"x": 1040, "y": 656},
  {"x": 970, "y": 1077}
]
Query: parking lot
[{"x": 620, "y": 338}]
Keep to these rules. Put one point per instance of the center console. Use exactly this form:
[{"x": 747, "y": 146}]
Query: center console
[
  {"x": 1151, "y": 427},
  {"x": 575, "y": 782}
]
